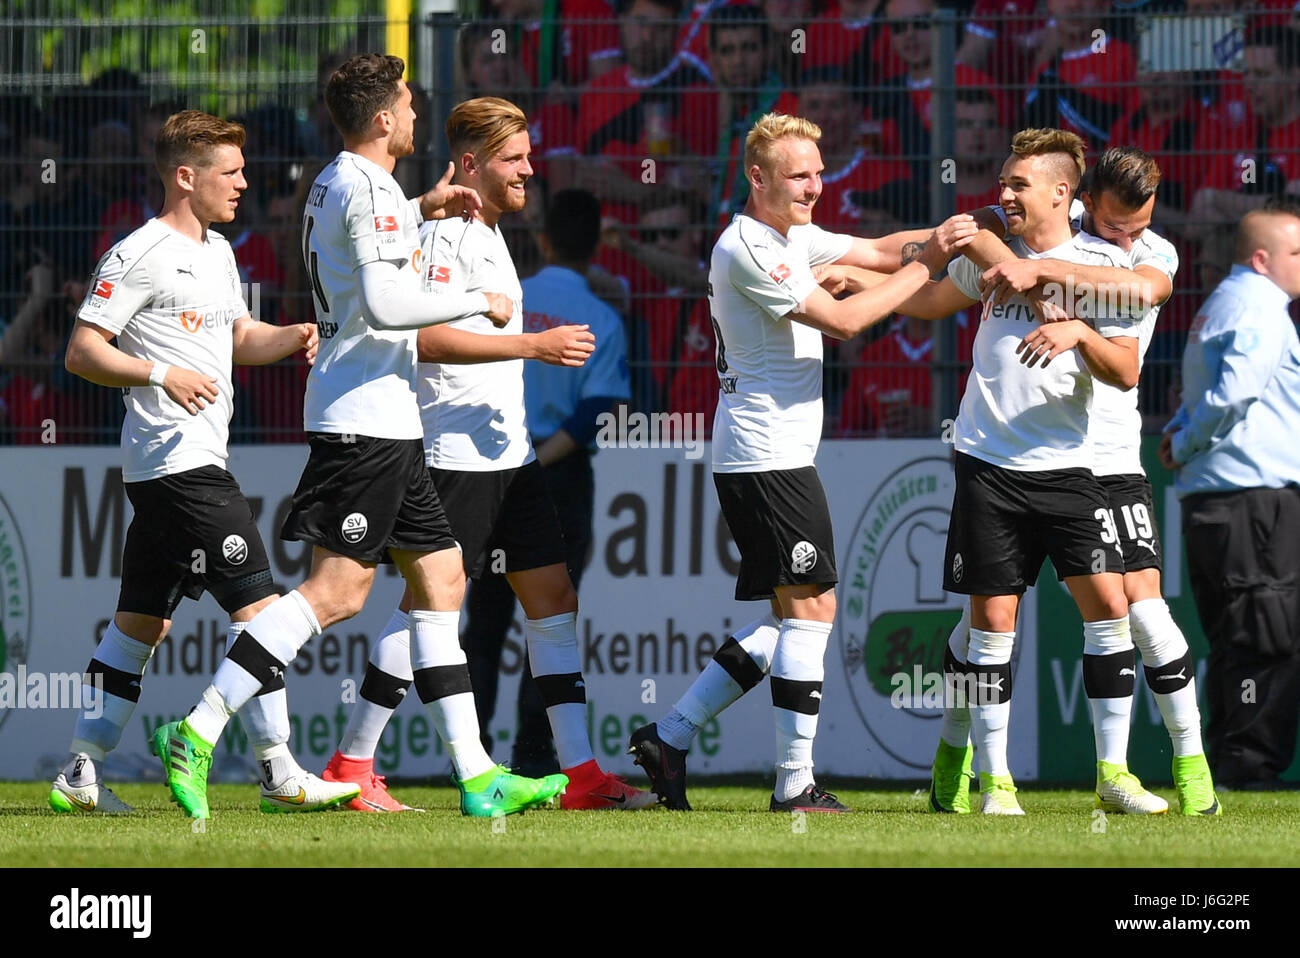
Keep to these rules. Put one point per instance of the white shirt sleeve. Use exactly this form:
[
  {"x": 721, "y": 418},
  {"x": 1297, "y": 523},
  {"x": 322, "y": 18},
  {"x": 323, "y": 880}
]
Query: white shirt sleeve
[
  {"x": 374, "y": 225},
  {"x": 825, "y": 246},
  {"x": 390, "y": 300},
  {"x": 965, "y": 275},
  {"x": 778, "y": 287},
  {"x": 117, "y": 292}
]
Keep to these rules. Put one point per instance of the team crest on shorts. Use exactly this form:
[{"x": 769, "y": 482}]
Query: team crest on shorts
[
  {"x": 354, "y": 527},
  {"x": 803, "y": 557},
  {"x": 958, "y": 567},
  {"x": 235, "y": 549}
]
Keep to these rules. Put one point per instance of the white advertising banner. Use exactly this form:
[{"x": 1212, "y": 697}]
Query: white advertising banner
[{"x": 656, "y": 602}]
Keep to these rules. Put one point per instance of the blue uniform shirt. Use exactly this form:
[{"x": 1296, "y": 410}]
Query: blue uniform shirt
[
  {"x": 557, "y": 296},
  {"x": 1239, "y": 424}
]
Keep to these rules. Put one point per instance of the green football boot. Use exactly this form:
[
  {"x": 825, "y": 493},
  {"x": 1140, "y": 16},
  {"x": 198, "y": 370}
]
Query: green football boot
[
  {"x": 496, "y": 792},
  {"x": 186, "y": 759},
  {"x": 998, "y": 795},
  {"x": 1195, "y": 786},
  {"x": 1118, "y": 790},
  {"x": 950, "y": 778}
]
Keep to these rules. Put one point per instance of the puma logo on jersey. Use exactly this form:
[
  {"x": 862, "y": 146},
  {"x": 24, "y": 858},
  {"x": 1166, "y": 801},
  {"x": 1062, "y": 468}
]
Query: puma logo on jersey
[
  {"x": 188, "y": 270},
  {"x": 803, "y": 557}
]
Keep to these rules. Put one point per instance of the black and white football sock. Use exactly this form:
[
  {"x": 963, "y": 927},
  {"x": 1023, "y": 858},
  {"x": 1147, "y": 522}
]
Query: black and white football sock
[
  {"x": 110, "y": 690},
  {"x": 557, "y": 669},
  {"x": 442, "y": 682},
  {"x": 797, "y": 674},
  {"x": 736, "y": 667},
  {"x": 260, "y": 653},
  {"x": 387, "y": 680},
  {"x": 989, "y": 664},
  {"x": 1109, "y": 672},
  {"x": 1170, "y": 672},
  {"x": 955, "y": 726}
]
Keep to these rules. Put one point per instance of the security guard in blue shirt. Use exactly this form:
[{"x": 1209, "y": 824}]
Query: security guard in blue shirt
[{"x": 1235, "y": 445}]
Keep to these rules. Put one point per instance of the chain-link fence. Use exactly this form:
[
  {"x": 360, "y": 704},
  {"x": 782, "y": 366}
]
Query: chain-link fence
[{"x": 646, "y": 106}]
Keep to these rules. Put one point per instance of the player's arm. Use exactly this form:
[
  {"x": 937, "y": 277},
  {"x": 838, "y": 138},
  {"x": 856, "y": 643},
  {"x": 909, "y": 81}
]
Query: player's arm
[
  {"x": 579, "y": 430},
  {"x": 560, "y": 346},
  {"x": 1112, "y": 360},
  {"x": 845, "y": 318},
  {"x": 1142, "y": 287},
  {"x": 257, "y": 344},
  {"x": 886, "y": 254},
  {"x": 936, "y": 300},
  {"x": 390, "y": 300},
  {"x": 92, "y": 356}
]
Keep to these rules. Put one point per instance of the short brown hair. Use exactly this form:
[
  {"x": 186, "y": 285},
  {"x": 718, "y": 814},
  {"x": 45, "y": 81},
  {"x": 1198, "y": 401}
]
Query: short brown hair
[
  {"x": 771, "y": 128},
  {"x": 1126, "y": 173},
  {"x": 482, "y": 125},
  {"x": 362, "y": 87},
  {"x": 1046, "y": 142},
  {"x": 188, "y": 138}
]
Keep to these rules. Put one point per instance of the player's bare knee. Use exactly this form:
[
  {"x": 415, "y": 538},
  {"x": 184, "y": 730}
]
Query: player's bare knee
[
  {"x": 147, "y": 629},
  {"x": 545, "y": 592}
]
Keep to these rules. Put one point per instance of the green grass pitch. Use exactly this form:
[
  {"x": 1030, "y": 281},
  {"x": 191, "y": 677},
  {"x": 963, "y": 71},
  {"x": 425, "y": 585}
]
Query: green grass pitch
[{"x": 730, "y": 827}]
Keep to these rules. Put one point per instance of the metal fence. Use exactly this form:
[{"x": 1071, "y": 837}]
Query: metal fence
[{"x": 648, "y": 111}]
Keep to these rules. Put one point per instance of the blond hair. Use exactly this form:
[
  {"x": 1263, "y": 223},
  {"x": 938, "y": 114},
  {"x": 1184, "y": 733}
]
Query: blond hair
[
  {"x": 481, "y": 126},
  {"x": 771, "y": 127},
  {"x": 1065, "y": 149},
  {"x": 188, "y": 138}
]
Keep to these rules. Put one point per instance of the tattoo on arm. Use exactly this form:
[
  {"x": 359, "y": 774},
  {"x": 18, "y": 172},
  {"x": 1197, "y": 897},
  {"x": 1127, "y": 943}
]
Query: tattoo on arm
[{"x": 912, "y": 251}]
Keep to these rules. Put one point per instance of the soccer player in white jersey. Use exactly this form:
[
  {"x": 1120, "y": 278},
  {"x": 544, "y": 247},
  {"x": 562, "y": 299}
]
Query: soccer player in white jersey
[
  {"x": 1117, "y": 200},
  {"x": 169, "y": 294},
  {"x": 769, "y": 315},
  {"x": 1024, "y": 483},
  {"x": 481, "y": 460},
  {"x": 365, "y": 495}
]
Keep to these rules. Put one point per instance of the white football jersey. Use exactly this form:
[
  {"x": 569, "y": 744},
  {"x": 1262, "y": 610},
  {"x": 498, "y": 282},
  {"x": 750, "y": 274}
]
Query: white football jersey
[
  {"x": 170, "y": 300},
  {"x": 473, "y": 413},
  {"x": 363, "y": 381},
  {"x": 1114, "y": 422},
  {"x": 769, "y": 367},
  {"x": 1036, "y": 418}
]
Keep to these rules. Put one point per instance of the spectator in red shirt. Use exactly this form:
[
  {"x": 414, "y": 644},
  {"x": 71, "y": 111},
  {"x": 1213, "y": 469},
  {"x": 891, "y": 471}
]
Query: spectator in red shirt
[
  {"x": 787, "y": 49},
  {"x": 1260, "y": 156},
  {"x": 981, "y": 141},
  {"x": 889, "y": 390},
  {"x": 637, "y": 122},
  {"x": 858, "y": 184},
  {"x": 1000, "y": 39},
  {"x": 1083, "y": 79},
  {"x": 1172, "y": 125},
  {"x": 853, "y": 36},
  {"x": 579, "y": 43},
  {"x": 747, "y": 88}
]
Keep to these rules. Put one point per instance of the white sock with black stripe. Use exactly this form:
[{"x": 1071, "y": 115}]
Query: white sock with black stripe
[
  {"x": 796, "y": 680},
  {"x": 442, "y": 682},
  {"x": 387, "y": 679},
  {"x": 557, "y": 670},
  {"x": 1170, "y": 672}
]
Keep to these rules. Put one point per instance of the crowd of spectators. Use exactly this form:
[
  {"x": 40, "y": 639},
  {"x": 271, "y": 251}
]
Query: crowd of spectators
[{"x": 646, "y": 103}]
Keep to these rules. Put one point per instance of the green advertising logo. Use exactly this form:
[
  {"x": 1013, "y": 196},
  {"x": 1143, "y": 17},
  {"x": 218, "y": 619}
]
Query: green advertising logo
[
  {"x": 15, "y": 599},
  {"x": 894, "y": 616}
]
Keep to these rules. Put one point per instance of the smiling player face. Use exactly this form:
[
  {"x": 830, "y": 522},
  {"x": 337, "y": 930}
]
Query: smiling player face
[
  {"x": 788, "y": 191},
  {"x": 1030, "y": 192},
  {"x": 501, "y": 178}
]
